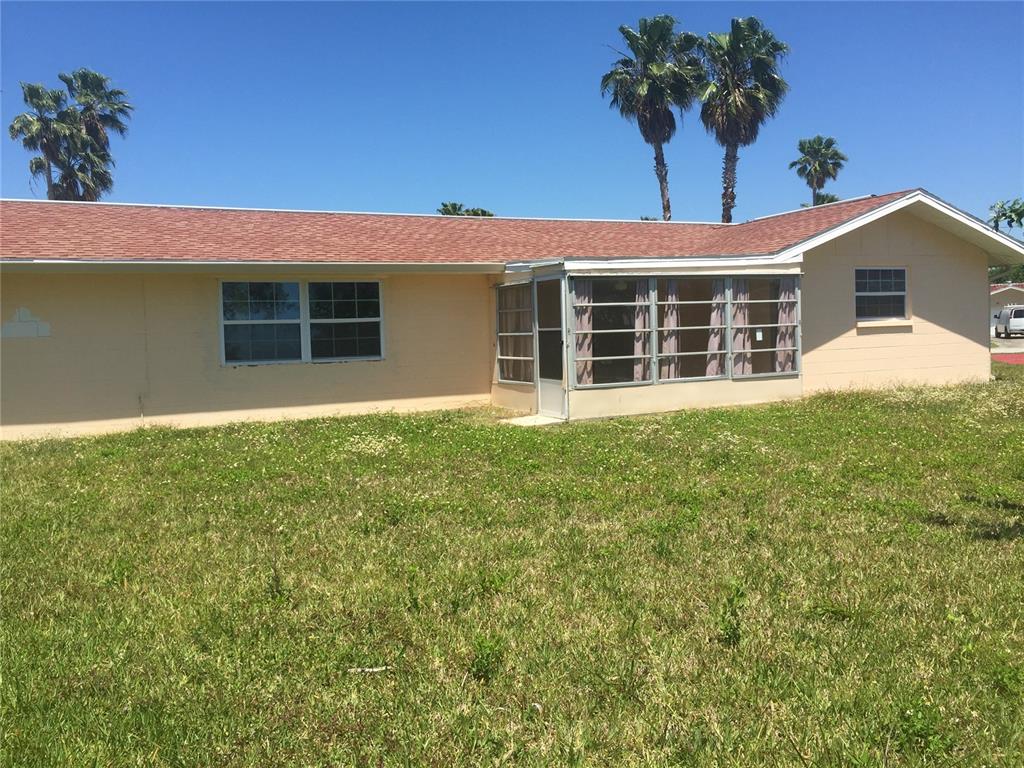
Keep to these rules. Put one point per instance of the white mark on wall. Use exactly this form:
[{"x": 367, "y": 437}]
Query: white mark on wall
[{"x": 24, "y": 325}]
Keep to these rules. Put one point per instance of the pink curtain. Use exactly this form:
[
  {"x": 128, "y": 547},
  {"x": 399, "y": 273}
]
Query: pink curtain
[
  {"x": 741, "y": 361},
  {"x": 643, "y": 305},
  {"x": 716, "y": 336},
  {"x": 786, "y": 337},
  {"x": 584, "y": 292},
  {"x": 670, "y": 343}
]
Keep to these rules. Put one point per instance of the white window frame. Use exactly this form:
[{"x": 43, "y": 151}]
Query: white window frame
[
  {"x": 303, "y": 322},
  {"x": 905, "y": 293}
]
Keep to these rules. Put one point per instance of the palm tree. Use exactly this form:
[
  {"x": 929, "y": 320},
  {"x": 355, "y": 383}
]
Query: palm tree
[
  {"x": 72, "y": 138},
  {"x": 744, "y": 90},
  {"x": 663, "y": 72},
  {"x": 819, "y": 161},
  {"x": 43, "y": 129},
  {"x": 102, "y": 108}
]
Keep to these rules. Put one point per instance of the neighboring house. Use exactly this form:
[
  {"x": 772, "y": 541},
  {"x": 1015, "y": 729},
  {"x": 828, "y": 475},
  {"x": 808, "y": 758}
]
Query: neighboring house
[
  {"x": 1002, "y": 294},
  {"x": 120, "y": 315}
]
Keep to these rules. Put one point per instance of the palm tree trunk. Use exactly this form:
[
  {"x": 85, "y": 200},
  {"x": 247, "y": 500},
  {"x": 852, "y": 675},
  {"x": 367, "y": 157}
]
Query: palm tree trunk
[
  {"x": 49, "y": 179},
  {"x": 729, "y": 182},
  {"x": 661, "y": 171},
  {"x": 814, "y": 197}
]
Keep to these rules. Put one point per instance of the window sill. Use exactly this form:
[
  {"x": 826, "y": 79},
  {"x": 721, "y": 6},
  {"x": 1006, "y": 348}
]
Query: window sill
[
  {"x": 888, "y": 322},
  {"x": 322, "y": 361}
]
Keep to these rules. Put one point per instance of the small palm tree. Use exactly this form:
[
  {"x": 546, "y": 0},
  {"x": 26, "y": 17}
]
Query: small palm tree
[
  {"x": 819, "y": 161},
  {"x": 744, "y": 90},
  {"x": 43, "y": 129},
  {"x": 664, "y": 71}
]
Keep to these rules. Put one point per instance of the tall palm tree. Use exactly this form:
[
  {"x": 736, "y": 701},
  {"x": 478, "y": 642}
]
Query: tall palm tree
[
  {"x": 73, "y": 139},
  {"x": 664, "y": 71},
  {"x": 744, "y": 90},
  {"x": 819, "y": 161},
  {"x": 102, "y": 108},
  {"x": 43, "y": 129}
]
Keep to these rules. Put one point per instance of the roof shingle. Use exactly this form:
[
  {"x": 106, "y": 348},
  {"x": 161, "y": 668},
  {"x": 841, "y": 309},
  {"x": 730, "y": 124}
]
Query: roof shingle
[{"x": 32, "y": 230}]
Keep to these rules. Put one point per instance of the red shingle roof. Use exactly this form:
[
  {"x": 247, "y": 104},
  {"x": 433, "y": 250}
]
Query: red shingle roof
[{"x": 112, "y": 232}]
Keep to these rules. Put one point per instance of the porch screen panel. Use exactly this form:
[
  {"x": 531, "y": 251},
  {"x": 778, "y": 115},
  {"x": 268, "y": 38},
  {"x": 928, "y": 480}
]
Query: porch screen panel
[
  {"x": 764, "y": 325},
  {"x": 691, "y": 328},
  {"x": 612, "y": 330},
  {"x": 515, "y": 333}
]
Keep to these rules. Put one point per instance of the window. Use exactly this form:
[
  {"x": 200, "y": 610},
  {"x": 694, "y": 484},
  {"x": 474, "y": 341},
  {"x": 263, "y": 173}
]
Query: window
[
  {"x": 764, "y": 326},
  {"x": 344, "y": 320},
  {"x": 1018, "y": 314},
  {"x": 272, "y": 322},
  {"x": 515, "y": 333},
  {"x": 690, "y": 328},
  {"x": 613, "y": 330},
  {"x": 261, "y": 322},
  {"x": 881, "y": 293}
]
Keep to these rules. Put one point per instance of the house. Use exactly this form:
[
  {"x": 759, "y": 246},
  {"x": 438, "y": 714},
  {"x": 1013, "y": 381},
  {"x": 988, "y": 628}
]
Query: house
[
  {"x": 1001, "y": 295},
  {"x": 120, "y": 315}
]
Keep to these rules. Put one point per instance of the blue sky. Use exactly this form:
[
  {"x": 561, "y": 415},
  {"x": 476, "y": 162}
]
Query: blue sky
[{"x": 397, "y": 107}]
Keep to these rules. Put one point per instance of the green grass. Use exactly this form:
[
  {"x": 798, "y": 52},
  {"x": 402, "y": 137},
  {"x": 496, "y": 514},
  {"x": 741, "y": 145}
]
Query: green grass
[{"x": 833, "y": 582}]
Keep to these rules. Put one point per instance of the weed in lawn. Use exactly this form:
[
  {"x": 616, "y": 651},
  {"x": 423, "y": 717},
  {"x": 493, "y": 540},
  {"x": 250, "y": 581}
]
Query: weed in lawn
[{"x": 729, "y": 614}]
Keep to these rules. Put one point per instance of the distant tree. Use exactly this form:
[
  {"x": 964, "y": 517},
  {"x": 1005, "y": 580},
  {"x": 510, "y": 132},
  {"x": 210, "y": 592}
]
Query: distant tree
[
  {"x": 821, "y": 198},
  {"x": 648, "y": 218},
  {"x": 458, "y": 209},
  {"x": 1009, "y": 212},
  {"x": 820, "y": 160},
  {"x": 662, "y": 72},
  {"x": 70, "y": 131},
  {"x": 743, "y": 91}
]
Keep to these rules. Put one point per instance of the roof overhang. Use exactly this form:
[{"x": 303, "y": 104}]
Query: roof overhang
[
  {"x": 80, "y": 266},
  {"x": 1002, "y": 249}
]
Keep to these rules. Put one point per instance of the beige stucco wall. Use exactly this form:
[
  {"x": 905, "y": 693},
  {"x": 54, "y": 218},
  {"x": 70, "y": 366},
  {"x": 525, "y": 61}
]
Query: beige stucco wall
[
  {"x": 128, "y": 349},
  {"x": 946, "y": 339}
]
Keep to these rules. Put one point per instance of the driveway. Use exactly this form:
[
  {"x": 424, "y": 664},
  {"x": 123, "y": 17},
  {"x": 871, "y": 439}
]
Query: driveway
[{"x": 1009, "y": 350}]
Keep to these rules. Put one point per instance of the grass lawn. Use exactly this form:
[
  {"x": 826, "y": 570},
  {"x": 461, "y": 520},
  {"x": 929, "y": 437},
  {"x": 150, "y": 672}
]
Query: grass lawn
[{"x": 837, "y": 581}]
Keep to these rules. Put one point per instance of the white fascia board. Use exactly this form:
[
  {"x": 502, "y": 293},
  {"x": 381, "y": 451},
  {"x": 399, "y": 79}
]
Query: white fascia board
[
  {"x": 308, "y": 267},
  {"x": 679, "y": 265}
]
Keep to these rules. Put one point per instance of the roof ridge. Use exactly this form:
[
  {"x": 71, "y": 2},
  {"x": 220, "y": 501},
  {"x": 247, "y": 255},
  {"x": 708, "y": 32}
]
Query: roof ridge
[
  {"x": 895, "y": 195},
  {"x": 325, "y": 212}
]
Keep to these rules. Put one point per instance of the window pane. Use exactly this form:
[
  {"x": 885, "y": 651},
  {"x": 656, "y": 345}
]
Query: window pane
[
  {"x": 620, "y": 371},
  {"x": 616, "y": 344},
  {"x": 330, "y": 340},
  {"x": 618, "y": 318},
  {"x": 881, "y": 306},
  {"x": 516, "y": 370},
  {"x": 344, "y": 301},
  {"x": 691, "y": 366},
  {"x": 262, "y": 342},
  {"x": 260, "y": 301},
  {"x": 515, "y": 346},
  {"x": 606, "y": 291},
  {"x": 753, "y": 363}
]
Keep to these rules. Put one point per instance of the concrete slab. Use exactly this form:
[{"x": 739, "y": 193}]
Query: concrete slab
[{"x": 533, "y": 420}]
